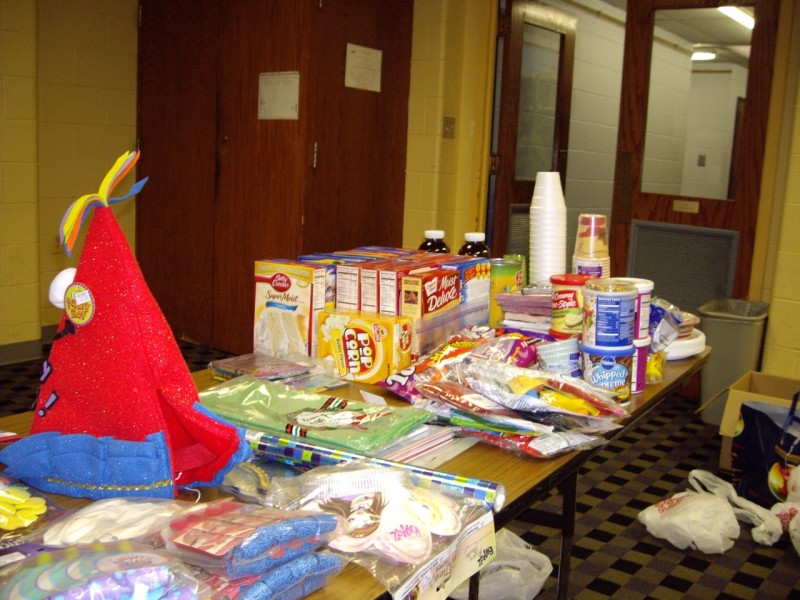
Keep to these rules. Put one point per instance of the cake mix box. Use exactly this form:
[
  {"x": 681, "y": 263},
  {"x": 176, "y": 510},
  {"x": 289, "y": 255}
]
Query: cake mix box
[
  {"x": 330, "y": 275},
  {"x": 389, "y": 279},
  {"x": 429, "y": 292},
  {"x": 363, "y": 346},
  {"x": 348, "y": 277},
  {"x": 381, "y": 280},
  {"x": 475, "y": 274},
  {"x": 289, "y": 295}
]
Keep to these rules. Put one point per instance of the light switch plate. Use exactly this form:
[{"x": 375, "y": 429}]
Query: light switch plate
[{"x": 449, "y": 127}]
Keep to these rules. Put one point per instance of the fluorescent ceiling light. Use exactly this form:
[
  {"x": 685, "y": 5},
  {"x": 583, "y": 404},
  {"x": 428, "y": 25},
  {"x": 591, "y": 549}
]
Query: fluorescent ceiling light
[
  {"x": 704, "y": 55},
  {"x": 738, "y": 15}
]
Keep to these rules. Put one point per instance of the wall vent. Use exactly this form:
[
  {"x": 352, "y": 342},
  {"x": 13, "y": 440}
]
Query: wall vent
[{"x": 689, "y": 265}]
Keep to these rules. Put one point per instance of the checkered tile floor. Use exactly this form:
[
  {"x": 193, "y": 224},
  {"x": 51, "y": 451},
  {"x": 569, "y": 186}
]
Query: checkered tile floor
[
  {"x": 613, "y": 554},
  {"x": 19, "y": 382}
]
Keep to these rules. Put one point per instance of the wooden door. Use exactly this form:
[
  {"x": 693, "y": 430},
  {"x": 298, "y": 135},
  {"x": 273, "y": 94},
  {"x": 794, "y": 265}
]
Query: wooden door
[
  {"x": 177, "y": 137},
  {"x": 263, "y": 165},
  {"x": 533, "y": 95},
  {"x": 358, "y": 136},
  {"x": 737, "y": 213},
  {"x": 228, "y": 188}
]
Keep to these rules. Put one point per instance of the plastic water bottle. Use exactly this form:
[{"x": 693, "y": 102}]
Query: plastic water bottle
[
  {"x": 475, "y": 245},
  {"x": 434, "y": 242}
]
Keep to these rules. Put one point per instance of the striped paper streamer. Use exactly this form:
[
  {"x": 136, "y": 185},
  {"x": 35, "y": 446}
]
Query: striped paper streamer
[{"x": 303, "y": 454}]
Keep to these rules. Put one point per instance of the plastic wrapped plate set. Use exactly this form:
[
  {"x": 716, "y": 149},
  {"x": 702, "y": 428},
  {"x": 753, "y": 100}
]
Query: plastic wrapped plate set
[
  {"x": 412, "y": 539},
  {"x": 123, "y": 547}
]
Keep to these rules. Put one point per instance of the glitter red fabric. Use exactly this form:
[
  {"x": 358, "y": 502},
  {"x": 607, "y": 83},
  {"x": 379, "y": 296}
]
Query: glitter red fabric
[{"x": 121, "y": 373}]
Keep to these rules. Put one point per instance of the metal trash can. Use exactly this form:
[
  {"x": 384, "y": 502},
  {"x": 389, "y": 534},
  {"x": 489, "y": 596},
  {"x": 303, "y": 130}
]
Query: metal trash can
[{"x": 735, "y": 331}]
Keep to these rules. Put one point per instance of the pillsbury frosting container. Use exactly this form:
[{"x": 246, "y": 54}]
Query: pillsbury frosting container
[
  {"x": 609, "y": 312},
  {"x": 609, "y": 368},
  {"x": 644, "y": 290},
  {"x": 639, "y": 367}
]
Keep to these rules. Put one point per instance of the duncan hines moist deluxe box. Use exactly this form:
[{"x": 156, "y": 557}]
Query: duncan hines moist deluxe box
[
  {"x": 365, "y": 347},
  {"x": 429, "y": 292},
  {"x": 289, "y": 297}
]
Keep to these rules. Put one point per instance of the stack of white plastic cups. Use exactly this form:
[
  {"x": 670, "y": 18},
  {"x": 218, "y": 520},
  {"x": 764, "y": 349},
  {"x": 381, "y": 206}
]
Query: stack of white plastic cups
[{"x": 548, "y": 228}]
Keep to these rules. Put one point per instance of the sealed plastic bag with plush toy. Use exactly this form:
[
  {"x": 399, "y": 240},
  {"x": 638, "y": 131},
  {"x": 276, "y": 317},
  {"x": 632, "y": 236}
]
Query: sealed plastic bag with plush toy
[{"x": 236, "y": 540}]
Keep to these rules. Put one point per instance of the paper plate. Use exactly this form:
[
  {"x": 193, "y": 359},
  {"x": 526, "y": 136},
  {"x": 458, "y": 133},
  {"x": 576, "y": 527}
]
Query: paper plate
[{"x": 686, "y": 347}]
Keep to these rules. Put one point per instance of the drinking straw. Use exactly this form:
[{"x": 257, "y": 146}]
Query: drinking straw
[{"x": 304, "y": 454}]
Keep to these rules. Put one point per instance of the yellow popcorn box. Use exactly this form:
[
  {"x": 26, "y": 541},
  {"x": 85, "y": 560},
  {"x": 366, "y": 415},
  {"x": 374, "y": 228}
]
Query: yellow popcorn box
[{"x": 365, "y": 347}]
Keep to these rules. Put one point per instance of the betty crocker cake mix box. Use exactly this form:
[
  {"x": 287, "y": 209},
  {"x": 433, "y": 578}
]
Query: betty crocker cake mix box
[{"x": 289, "y": 295}]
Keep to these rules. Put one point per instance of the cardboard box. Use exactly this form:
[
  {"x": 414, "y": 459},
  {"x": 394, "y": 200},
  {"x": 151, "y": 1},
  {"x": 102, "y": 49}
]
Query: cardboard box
[
  {"x": 751, "y": 387},
  {"x": 365, "y": 347},
  {"x": 289, "y": 295},
  {"x": 429, "y": 292}
]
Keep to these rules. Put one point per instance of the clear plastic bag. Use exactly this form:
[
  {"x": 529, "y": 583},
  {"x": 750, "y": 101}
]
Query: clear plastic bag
[
  {"x": 101, "y": 572},
  {"x": 23, "y": 510},
  {"x": 113, "y": 520},
  {"x": 417, "y": 541},
  {"x": 296, "y": 579},
  {"x": 518, "y": 573},
  {"x": 236, "y": 540}
]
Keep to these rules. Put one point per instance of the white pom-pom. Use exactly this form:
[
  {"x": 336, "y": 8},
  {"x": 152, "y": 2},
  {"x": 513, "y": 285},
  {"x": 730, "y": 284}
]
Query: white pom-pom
[{"x": 59, "y": 286}]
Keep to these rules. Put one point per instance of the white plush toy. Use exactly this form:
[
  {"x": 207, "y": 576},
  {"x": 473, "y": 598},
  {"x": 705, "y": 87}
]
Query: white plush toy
[{"x": 59, "y": 285}]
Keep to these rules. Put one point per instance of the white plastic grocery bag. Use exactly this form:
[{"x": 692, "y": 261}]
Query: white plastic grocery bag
[
  {"x": 767, "y": 528},
  {"x": 794, "y": 532},
  {"x": 518, "y": 572},
  {"x": 700, "y": 520}
]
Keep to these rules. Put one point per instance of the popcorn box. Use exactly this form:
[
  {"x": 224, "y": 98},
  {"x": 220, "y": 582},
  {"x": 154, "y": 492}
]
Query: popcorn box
[
  {"x": 365, "y": 347},
  {"x": 431, "y": 291},
  {"x": 289, "y": 295}
]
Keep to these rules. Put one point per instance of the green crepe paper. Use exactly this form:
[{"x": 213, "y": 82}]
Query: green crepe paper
[{"x": 277, "y": 410}]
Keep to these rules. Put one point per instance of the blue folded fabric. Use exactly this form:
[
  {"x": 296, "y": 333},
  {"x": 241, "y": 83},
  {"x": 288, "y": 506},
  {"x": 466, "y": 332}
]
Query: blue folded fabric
[
  {"x": 278, "y": 543},
  {"x": 296, "y": 579},
  {"x": 86, "y": 466}
]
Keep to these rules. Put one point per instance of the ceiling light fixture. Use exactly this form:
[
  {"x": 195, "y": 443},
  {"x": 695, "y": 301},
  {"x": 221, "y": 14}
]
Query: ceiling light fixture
[
  {"x": 738, "y": 15},
  {"x": 704, "y": 55}
]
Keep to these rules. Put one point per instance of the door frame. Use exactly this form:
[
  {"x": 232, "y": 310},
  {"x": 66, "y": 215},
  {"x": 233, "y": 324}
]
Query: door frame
[
  {"x": 629, "y": 202},
  {"x": 504, "y": 190}
]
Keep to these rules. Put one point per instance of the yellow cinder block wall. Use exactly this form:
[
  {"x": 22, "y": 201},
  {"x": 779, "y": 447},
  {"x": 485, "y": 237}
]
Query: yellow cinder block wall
[
  {"x": 19, "y": 264},
  {"x": 782, "y": 290},
  {"x": 68, "y": 76},
  {"x": 452, "y": 57},
  {"x": 68, "y": 109},
  {"x": 87, "y": 56}
]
